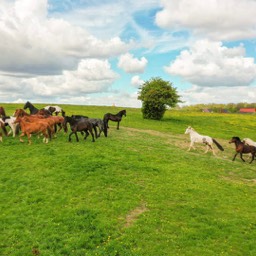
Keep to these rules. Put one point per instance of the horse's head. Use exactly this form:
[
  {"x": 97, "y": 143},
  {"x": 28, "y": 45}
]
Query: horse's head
[
  {"x": 188, "y": 130},
  {"x": 123, "y": 112},
  {"x": 26, "y": 105},
  {"x": 20, "y": 112},
  {"x": 235, "y": 139}
]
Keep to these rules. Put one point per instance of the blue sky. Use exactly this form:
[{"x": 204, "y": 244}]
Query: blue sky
[{"x": 101, "y": 52}]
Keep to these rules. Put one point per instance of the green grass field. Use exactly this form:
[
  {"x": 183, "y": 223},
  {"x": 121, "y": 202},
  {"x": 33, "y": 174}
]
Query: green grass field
[{"x": 136, "y": 192}]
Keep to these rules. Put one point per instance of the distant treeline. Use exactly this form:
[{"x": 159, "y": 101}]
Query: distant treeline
[{"x": 218, "y": 108}]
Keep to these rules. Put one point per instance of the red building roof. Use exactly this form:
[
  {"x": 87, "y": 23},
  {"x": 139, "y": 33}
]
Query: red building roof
[{"x": 247, "y": 110}]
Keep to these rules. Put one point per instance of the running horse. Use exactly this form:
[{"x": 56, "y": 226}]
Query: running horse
[
  {"x": 2, "y": 112},
  {"x": 195, "y": 137},
  {"x": 81, "y": 125},
  {"x": 33, "y": 110},
  {"x": 242, "y": 148},
  {"x": 113, "y": 117}
]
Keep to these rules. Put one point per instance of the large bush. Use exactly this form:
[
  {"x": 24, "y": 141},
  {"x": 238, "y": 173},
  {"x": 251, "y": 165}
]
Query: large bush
[{"x": 156, "y": 95}]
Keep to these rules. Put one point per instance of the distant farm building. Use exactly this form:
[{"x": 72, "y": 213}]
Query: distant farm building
[
  {"x": 247, "y": 110},
  {"x": 207, "y": 110}
]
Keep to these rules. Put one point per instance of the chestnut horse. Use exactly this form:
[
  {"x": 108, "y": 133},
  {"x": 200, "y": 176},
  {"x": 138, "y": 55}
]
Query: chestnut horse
[{"x": 37, "y": 127}]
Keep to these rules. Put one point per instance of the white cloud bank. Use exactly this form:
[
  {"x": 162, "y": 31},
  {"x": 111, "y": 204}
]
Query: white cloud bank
[{"x": 210, "y": 64}]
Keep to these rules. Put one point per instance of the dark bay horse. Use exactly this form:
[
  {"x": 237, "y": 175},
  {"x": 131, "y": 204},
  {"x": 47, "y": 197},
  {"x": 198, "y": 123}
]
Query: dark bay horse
[
  {"x": 242, "y": 148},
  {"x": 113, "y": 117},
  {"x": 96, "y": 122},
  {"x": 2, "y": 112},
  {"x": 82, "y": 125}
]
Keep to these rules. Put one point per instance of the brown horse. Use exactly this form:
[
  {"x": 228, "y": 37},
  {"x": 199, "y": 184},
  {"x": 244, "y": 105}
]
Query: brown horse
[
  {"x": 29, "y": 127},
  {"x": 2, "y": 128},
  {"x": 242, "y": 148},
  {"x": 2, "y": 112}
]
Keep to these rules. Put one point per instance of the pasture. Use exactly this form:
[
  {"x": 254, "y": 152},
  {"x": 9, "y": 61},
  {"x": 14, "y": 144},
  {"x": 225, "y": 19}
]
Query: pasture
[{"x": 137, "y": 192}]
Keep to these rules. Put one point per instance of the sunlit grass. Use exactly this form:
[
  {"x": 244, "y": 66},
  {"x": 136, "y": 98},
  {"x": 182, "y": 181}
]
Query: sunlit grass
[{"x": 74, "y": 198}]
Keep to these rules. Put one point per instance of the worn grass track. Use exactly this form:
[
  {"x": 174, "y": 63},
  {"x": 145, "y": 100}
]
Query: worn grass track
[{"x": 137, "y": 192}]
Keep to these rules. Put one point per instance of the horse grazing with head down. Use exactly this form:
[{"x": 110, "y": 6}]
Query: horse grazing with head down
[
  {"x": 242, "y": 148},
  {"x": 197, "y": 138},
  {"x": 113, "y": 117},
  {"x": 81, "y": 125}
]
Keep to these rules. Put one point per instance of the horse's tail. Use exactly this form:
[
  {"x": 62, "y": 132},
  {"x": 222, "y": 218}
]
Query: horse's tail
[{"x": 218, "y": 145}]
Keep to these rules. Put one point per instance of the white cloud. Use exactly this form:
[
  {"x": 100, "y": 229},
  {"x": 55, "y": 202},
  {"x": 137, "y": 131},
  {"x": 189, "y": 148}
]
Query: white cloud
[
  {"x": 215, "y": 19},
  {"x": 33, "y": 43},
  {"x": 136, "y": 81},
  {"x": 131, "y": 65},
  {"x": 211, "y": 64}
]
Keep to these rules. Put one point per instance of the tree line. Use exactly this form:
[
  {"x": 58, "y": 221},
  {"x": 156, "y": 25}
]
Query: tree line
[{"x": 218, "y": 108}]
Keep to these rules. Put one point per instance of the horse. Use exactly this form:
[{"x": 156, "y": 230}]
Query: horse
[
  {"x": 28, "y": 128},
  {"x": 2, "y": 128},
  {"x": 82, "y": 125},
  {"x": 55, "y": 110},
  {"x": 197, "y": 138},
  {"x": 10, "y": 120},
  {"x": 96, "y": 122},
  {"x": 2, "y": 112},
  {"x": 242, "y": 148},
  {"x": 31, "y": 107},
  {"x": 113, "y": 117}
]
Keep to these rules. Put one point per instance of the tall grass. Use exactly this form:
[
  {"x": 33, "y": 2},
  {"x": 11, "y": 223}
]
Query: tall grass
[{"x": 137, "y": 192}]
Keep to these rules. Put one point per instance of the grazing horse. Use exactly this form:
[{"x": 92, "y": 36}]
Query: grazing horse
[
  {"x": 242, "y": 148},
  {"x": 82, "y": 125},
  {"x": 2, "y": 112},
  {"x": 33, "y": 110},
  {"x": 197, "y": 138},
  {"x": 55, "y": 110},
  {"x": 28, "y": 128},
  {"x": 113, "y": 117}
]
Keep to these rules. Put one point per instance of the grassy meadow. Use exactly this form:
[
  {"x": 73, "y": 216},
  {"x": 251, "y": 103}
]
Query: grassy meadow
[{"x": 136, "y": 192}]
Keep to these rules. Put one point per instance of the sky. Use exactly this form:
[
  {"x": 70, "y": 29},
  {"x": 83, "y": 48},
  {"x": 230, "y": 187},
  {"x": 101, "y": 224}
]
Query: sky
[{"x": 100, "y": 52}]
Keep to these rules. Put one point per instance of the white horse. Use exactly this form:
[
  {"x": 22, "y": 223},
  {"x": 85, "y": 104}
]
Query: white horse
[
  {"x": 197, "y": 138},
  {"x": 11, "y": 122},
  {"x": 55, "y": 110}
]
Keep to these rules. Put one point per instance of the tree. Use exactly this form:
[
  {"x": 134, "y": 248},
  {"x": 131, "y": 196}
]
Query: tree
[{"x": 156, "y": 95}]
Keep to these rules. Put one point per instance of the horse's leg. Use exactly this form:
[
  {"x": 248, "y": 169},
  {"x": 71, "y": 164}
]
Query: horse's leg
[
  {"x": 76, "y": 136},
  {"x": 253, "y": 155},
  {"x": 241, "y": 156},
  {"x": 29, "y": 138},
  {"x": 69, "y": 137},
  {"x": 117, "y": 125},
  {"x": 234, "y": 156},
  {"x": 21, "y": 135},
  {"x": 86, "y": 134},
  {"x": 91, "y": 132},
  {"x": 95, "y": 130},
  {"x": 191, "y": 145}
]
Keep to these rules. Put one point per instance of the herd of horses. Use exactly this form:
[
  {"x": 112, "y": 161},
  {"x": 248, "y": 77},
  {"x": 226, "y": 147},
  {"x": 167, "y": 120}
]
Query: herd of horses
[
  {"x": 245, "y": 146},
  {"x": 47, "y": 122}
]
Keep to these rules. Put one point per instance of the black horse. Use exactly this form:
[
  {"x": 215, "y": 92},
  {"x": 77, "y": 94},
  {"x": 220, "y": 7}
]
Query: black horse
[
  {"x": 242, "y": 148},
  {"x": 82, "y": 125},
  {"x": 33, "y": 110},
  {"x": 113, "y": 117}
]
